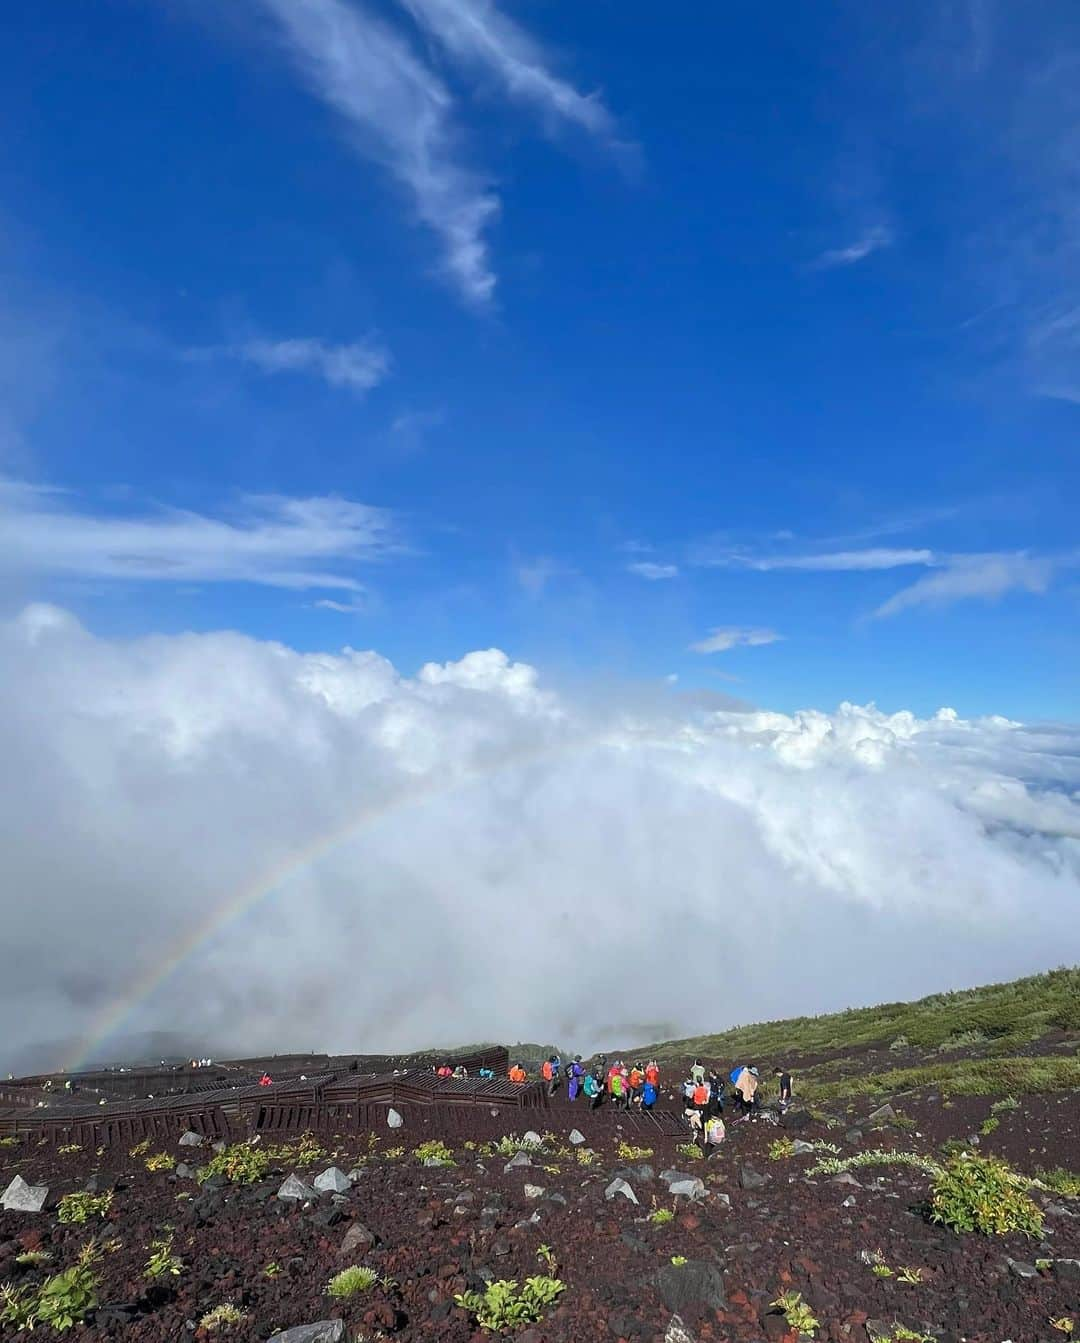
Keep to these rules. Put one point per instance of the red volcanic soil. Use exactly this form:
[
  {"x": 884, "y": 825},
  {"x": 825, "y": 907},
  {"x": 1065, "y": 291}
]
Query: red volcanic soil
[{"x": 439, "y": 1231}]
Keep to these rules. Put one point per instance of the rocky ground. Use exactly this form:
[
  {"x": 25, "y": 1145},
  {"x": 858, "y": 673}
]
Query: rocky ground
[{"x": 752, "y": 1228}]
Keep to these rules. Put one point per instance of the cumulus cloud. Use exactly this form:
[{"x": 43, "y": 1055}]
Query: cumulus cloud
[
  {"x": 475, "y": 33},
  {"x": 986, "y": 577},
  {"x": 399, "y": 113},
  {"x": 725, "y": 637},
  {"x": 359, "y": 366},
  {"x": 438, "y": 845},
  {"x": 273, "y": 540},
  {"x": 653, "y": 572}
]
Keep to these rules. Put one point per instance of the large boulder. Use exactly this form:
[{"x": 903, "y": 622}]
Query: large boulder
[
  {"x": 324, "y": 1331},
  {"x": 394, "y": 1119},
  {"x": 620, "y": 1187},
  {"x": 687, "y": 1287},
  {"x": 22, "y": 1197},
  {"x": 294, "y": 1190},
  {"x": 333, "y": 1181}
]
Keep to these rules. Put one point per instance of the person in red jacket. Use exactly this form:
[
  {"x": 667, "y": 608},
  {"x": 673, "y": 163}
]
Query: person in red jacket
[
  {"x": 265, "y": 1080},
  {"x": 517, "y": 1074}
]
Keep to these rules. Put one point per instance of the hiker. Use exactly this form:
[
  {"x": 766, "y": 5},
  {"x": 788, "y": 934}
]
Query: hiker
[
  {"x": 652, "y": 1074},
  {"x": 697, "y": 1072},
  {"x": 746, "y": 1085},
  {"x": 714, "y": 1132},
  {"x": 486, "y": 1074},
  {"x": 550, "y": 1073},
  {"x": 460, "y": 1073},
  {"x": 594, "y": 1090},
  {"x": 693, "y": 1118},
  {"x": 649, "y": 1094},
  {"x": 699, "y": 1098},
  {"x": 688, "y": 1091},
  {"x": 574, "y": 1074},
  {"x": 444, "y": 1070},
  {"x": 517, "y": 1074},
  {"x": 637, "y": 1081},
  {"x": 716, "y": 1093},
  {"x": 266, "y": 1080},
  {"x": 784, "y": 1082},
  {"x": 616, "y": 1088}
]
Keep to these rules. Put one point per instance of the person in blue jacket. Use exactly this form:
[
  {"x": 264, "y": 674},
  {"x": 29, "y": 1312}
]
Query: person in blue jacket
[
  {"x": 648, "y": 1096},
  {"x": 574, "y": 1073}
]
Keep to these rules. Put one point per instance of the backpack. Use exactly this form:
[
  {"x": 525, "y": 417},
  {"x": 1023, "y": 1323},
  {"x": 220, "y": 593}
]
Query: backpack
[{"x": 546, "y": 1071}]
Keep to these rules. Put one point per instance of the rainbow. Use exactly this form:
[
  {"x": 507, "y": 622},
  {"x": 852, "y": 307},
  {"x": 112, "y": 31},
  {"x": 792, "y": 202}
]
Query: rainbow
[{"x": 267, "y": 882}]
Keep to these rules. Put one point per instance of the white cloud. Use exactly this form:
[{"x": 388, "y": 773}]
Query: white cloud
[
  {"x": 986, "y": 577},
  {"x": 399, "y": 113},
  {"x": 725, "y": 637},
  {"x": 873, "y": 240},
  {"x": 477, "y": 34},
  {"x": 273, "y": 540},
  {"x": 471, "y": 803},
  {"x": 360, "y": 366},
  {"x": 827, "y": 562},
  {"x": 653, "y": 572},
  {"x": 357, "y": 606}
]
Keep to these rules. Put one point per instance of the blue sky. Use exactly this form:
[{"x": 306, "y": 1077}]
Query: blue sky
[{"x": 736, "y": 347}]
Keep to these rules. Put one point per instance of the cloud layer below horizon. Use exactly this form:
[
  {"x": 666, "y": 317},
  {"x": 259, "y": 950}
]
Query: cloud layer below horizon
[{"x": 516, "y": 865}]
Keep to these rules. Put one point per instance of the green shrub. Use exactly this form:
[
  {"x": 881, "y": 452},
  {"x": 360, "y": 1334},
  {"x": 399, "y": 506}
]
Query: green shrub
[
  {"x": 221, "y": 1317},
  {"x": 781, "y": 1149},
  {"x": 79, "y": 1208},
  {"x": 988, "y": 1125},
  {"x": 162, "y": 1262},
  {"x": 690, "y": 1150},
  {"x": 981, "y": 1193},
  {"x": 304, "y": 1152},
  {"x": 352, "y": 1281},
  {"x": 240, "y": 1164},
  {"x": 797, "y": 1313},
  {"x": 1006, "y": 1103},
  {"x": 160, "y": 1161},
  {"x": 1060, "y": 1181},
  {"x": 628, "y": 1152},
  {"x": 502, "y": 1305},
  {"x": 875, "y": 1157},
  {"x": 61, "y": 1302},
  {"x": 140, "y": 1148},
  {"x": 661, "y": 1216},
  {"x": 1066, "y": 1016},
  {"x": 434, "y": 1150}
]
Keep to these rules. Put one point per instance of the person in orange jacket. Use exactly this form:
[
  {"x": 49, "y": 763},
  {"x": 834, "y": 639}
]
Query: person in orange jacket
[
  {"x": 636, "y": 1080},
  {"x": 517, "y": 1074},
  {"x": 652, "y": 1073}
]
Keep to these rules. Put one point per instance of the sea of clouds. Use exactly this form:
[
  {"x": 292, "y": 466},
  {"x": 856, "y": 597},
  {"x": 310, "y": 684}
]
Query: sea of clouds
[{"x": 513, "y": 864}]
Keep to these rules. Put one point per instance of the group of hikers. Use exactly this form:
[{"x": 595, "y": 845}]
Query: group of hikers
[{"x": 637, "y": 1087}]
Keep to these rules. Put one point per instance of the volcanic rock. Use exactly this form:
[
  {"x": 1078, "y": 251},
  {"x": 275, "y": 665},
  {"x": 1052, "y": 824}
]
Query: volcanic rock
[
  {"x": 577, "y": 1137},
  {"x": 332, "y": 1180},
  {"x": 325, "y": 1331},
  {"x": 692, "y": 1188},
  {"x": 393, "y": 1119},
  {"x": 620, "y": 1187},
  {"x": 749, "y": 1178},
  {"x": 695, "y": 1284},
  {"x": 295, "y": 1189},
  {"x": 190, "y": 1139}
]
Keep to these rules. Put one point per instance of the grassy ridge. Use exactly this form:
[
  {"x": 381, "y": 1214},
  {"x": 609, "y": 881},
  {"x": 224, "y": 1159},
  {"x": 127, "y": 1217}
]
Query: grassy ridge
[{"x": 1001, "y": 1016}]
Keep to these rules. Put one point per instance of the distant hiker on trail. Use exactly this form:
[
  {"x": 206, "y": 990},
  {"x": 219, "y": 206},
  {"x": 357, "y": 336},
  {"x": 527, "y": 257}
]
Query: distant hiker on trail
[
  {"x": 550, "y": 1073},
  {"x": 594, "y": 1090},
  {"x": 616, "y": 1086},
  {"x": 785, "y": 1087},
  {"x": 699, "y": 1097},
  {"x": 637, "y": 1081},
  {"x": 649, "y": 1094},
  {"x": 688, "y": 1091},
  {"x": 266, "y": 1080},
  {"x": 517, "y": 1074},
  {"x": 445, "y": 1071},
  {"x": 460, "y": 1073},
  {"x": 697, "y": 1072},
  {"x": 652, "y": 1073},
  {"x": 574, "y": 1073},
  {"x": 714, "y": 1132},
  {"x": 486, "y": 1074},
  {"x": 693, "y": 1118},
  {"x": 716, "y": 1093}
]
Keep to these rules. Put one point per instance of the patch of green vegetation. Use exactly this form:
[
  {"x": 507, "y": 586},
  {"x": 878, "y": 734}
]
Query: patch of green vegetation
[
  {"x": 351, "y": 1282},
  {"x": 988, "y": 1125},
  {"x": 240, "y": 1164},
  {"x": 69, "y": 1148},
  {"x": 503, "y": 1305},
  {"x": 913, "y": 1277},
  {"x": 79, "y": 1208},
  {"x": 875, "y": 1157},
  {"x": 140, "y": 1148},
  {"x": 679, "y": 1260},
  {"x": 10, "y": 1141},
  {"x": 33, "y": 1258},
  {"x": 306, "y": 1151},
  {"x": 222, "y": 1317},
  {"x": 1060, "y": 1181},
  {"x": 781, "y": 1149},
  {"x": 1006, "y": 1103},
  {"x": 162, "y": 1262},
  {"x": 881, "y": 1270},
  {"x": 966, "y": 1077},
  {"x": 797, "y": 1313},
  {"x": 434, "y": 1150},
  {"x": 980, "y": 1193},
  {"x": 628, "y": 1152},
  {"x": 661, "y": 1216},
  {"x": 272, "y": 1270},
  {"x": 690, "y": 1150},
  {"x": 1018, "y": 1012},
  {"x": 61, "y": 1302},
  {"x": 160, "y": 1161}
]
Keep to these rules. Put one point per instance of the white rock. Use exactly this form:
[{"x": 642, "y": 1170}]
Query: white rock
[
  {"x": 620, "y": 1187},
  {"x": 515, "y": 1162},
  {"x": 690, "y": 1188},
  {"x": 577, "y": 1137},
  {"x": 190, "y": 1139},
  {"x": 532, "y": 1139},
  {"x": 677, "y": 1332},
  {"x": 22, "y": 1197},
  {"x": 334, "y": 1180},
  {"x": 534, "y": 1191},
  {"x": 394, "y": 1119},
  {"x": 294, "y": 1189}
]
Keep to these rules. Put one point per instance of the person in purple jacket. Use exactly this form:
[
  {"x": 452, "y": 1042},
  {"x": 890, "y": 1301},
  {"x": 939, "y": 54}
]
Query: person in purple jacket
[{"x": 574, "y": 1073}]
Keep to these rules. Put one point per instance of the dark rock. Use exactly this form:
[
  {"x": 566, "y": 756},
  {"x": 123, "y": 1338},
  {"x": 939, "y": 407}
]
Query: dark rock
[
  {"x": 798, "y": 1119},
  {"x": 749, "y": 1178},
  {"x": 1022, "y": 1269},
  {"x": 115, "y": 1314},
  {"x": 1066, "y": 1270},
  {"x": 853, "y": 1135},
  {"x": 692, "y": 1285},
  {"x": 358, "y": 1238},
  {"x": 329, "y": 1215}
]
